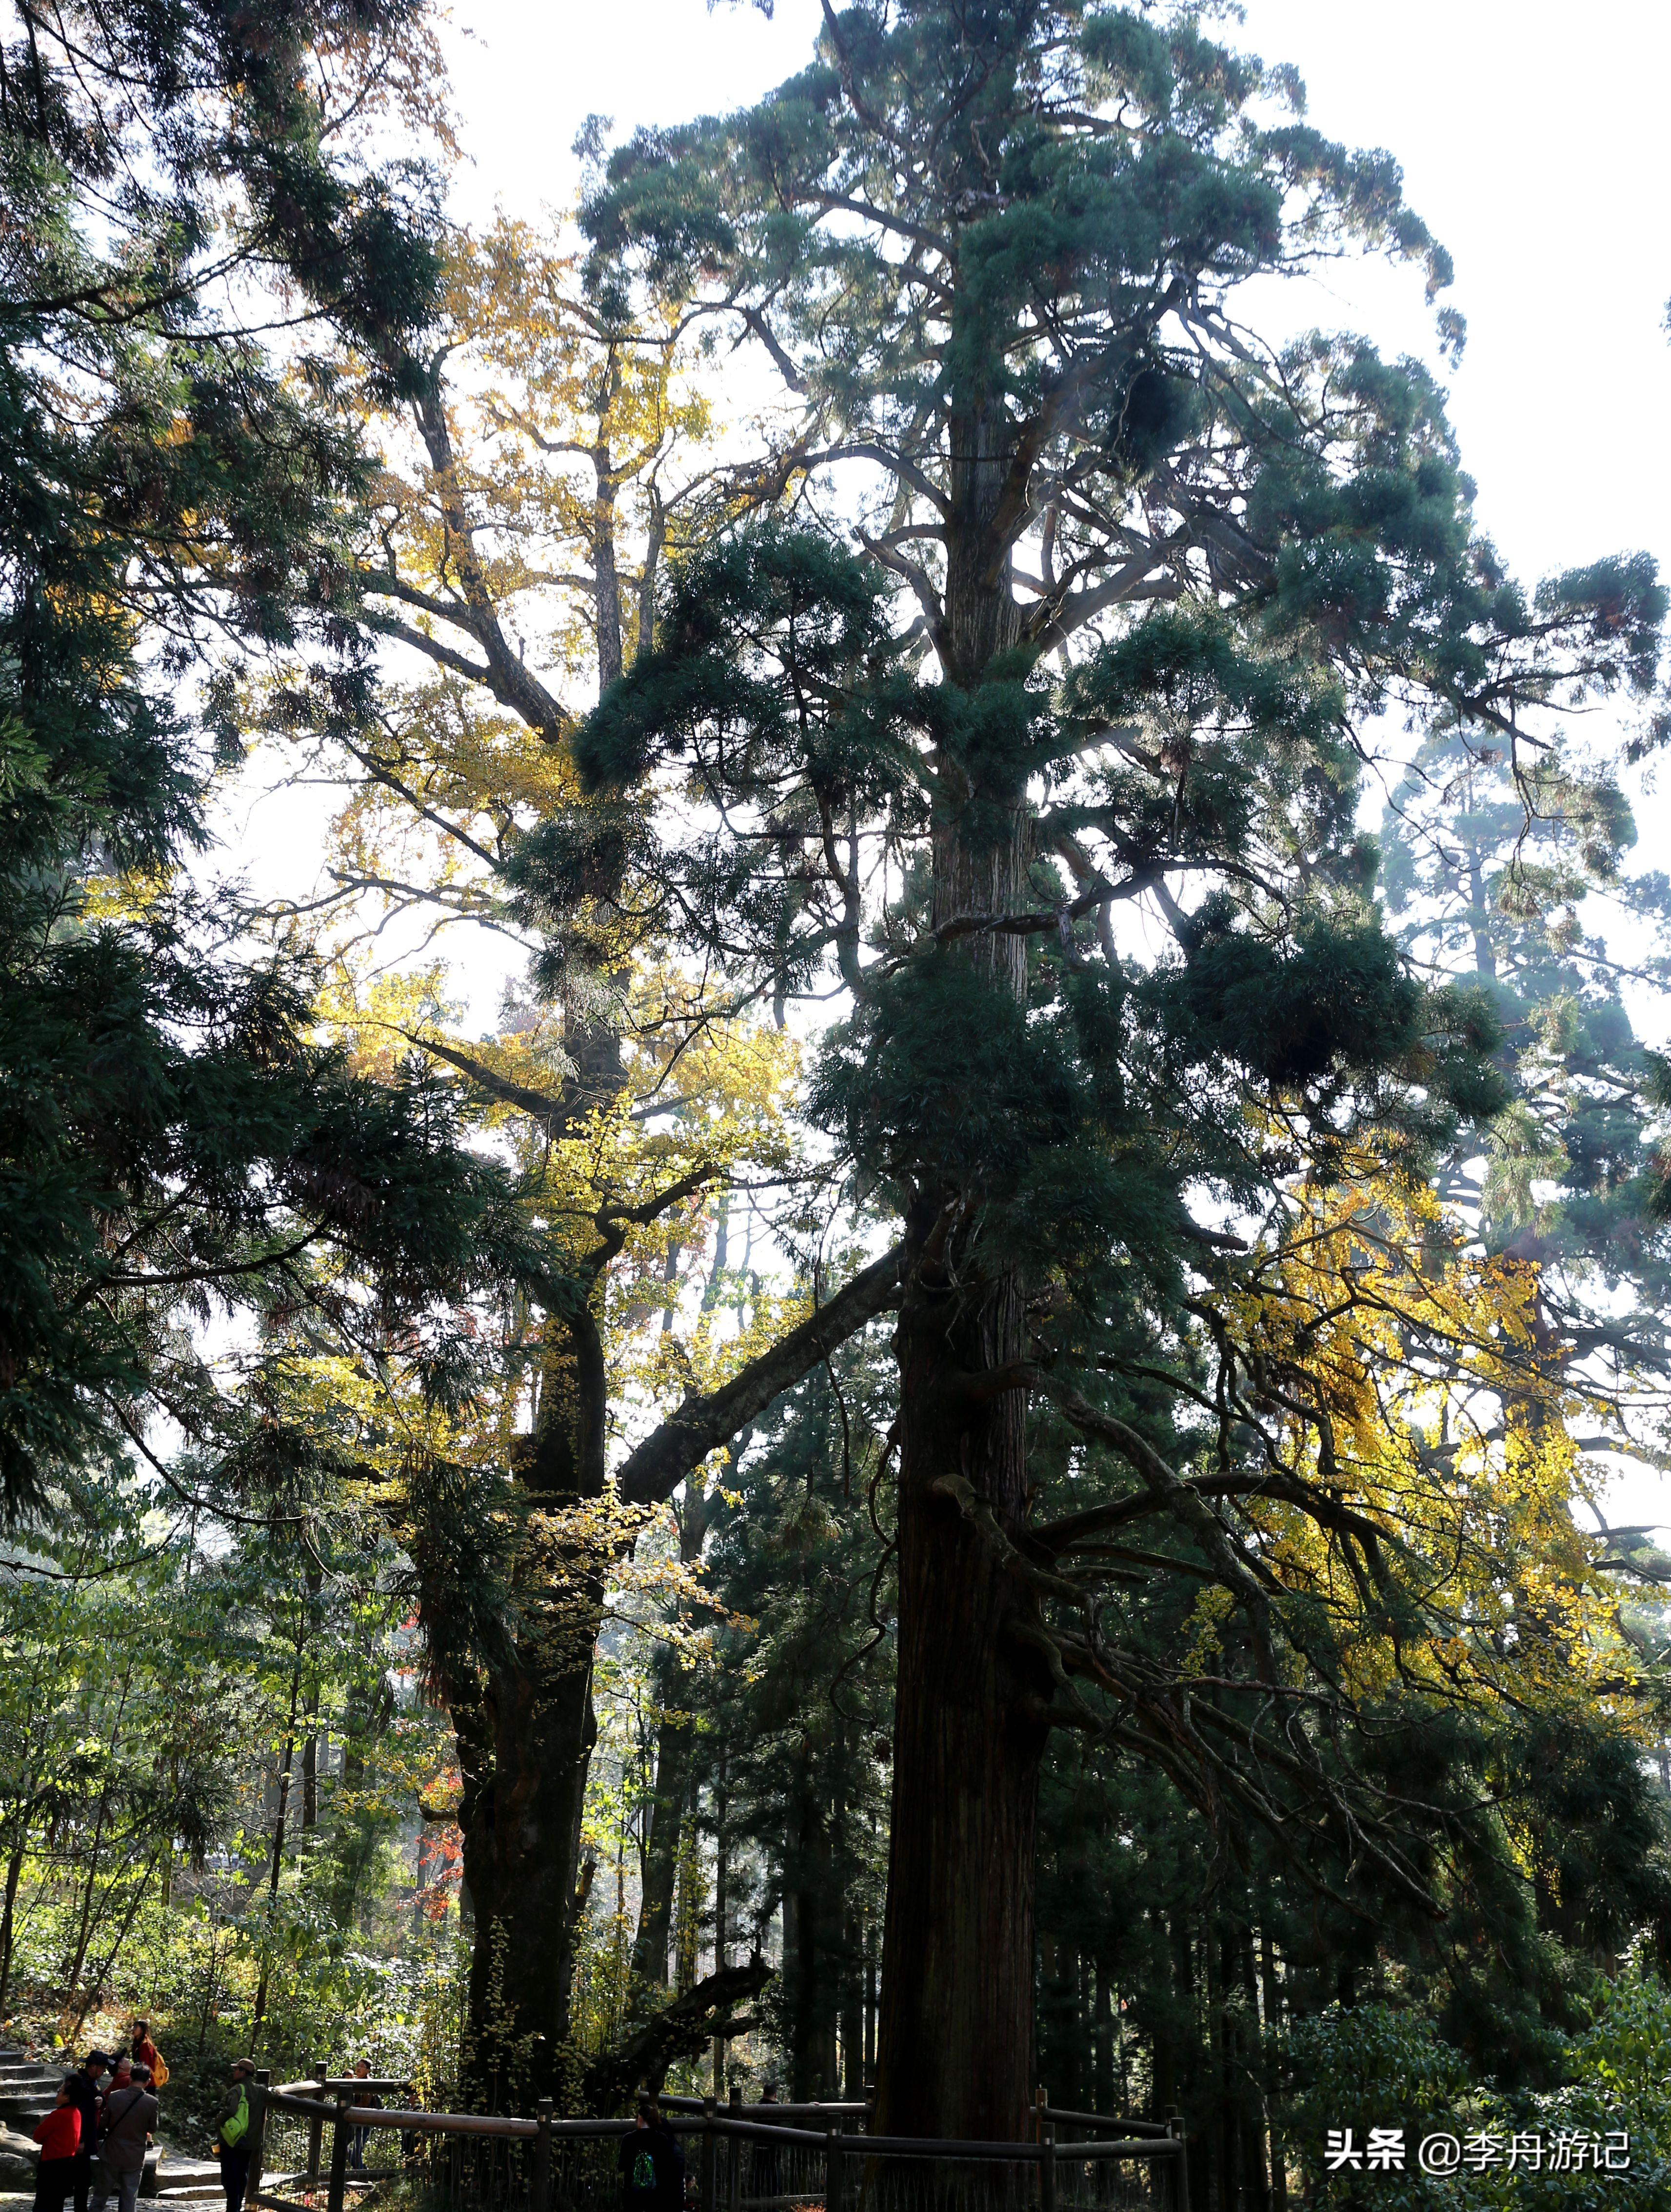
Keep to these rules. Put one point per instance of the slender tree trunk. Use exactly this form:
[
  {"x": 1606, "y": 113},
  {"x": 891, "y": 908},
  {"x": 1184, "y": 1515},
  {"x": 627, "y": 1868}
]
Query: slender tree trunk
[
  {"x": 869, "y": 1999},
  {"x": 84, "y": 1931},
  {"x": 278, "y": 1858},
  {"x": 309, "y": 1741},
  {"x": 97, "y": 1980},
  {"x": 853, "y": 2009},
  {"x": 1272, "y": 1991},
  {"x": 800, "y": 1966},
  {"x": 722, "y": 1868},
  {"x": 1101, "y": 2043},
  {"x": 675, "y": 1742},
  {"x": 1256, "y": 2189},
  {"x": 211, "y": 1986},
  {"x": 661, "y": 1859},
  {"x": 8, "y": 1910},
  {"x": 687, "y": 1925}
]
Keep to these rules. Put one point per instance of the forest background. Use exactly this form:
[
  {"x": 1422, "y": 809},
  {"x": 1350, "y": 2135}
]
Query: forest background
[{"x": 245, "y": 1657}]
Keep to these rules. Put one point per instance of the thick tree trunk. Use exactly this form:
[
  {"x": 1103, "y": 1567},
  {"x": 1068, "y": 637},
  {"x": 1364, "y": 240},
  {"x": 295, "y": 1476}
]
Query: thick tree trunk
[
  {"x": 524, "y": 1747},
  {"x": 954, "y": 2053},
  {"x": 520, "y": 1834}
]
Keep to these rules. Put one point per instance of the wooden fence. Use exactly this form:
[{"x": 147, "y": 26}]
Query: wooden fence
[{"x": 747, "y": 2159}]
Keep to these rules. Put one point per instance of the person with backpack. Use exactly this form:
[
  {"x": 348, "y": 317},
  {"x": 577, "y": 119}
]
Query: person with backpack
[
  {"x": 232, "y": 2134},
  {"x": 59, "y": 2135},
  {"x": 145, "y": 2053},
  {"x": 124, "y": 2129},
  {"x": 767, "y": 2159},
  {"x": 651, "y": 2164}
]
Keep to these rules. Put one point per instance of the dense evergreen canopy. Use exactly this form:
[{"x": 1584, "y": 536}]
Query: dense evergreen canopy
[
  {"x": 1094, "y": 623},
  {"x": 176, "y": 1138},
  {"x": 1170, "y": 1661}
]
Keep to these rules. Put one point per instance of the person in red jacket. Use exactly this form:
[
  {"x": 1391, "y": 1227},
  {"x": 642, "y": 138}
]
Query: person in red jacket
[{"x": 59, "y": 2135}]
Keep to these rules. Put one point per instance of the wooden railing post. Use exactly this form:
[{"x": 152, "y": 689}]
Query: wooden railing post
[
  {"x": 709, "y": 2141},
  {"x": 1046, "y": 2167},
  {"x": 315, "y": 2127},
  {"x": 734, "y": 2155},
  {"x": 835, "y": 2171},
  {"x": 1180, "y": 2163},
  {"x": 257, "y": 2133},
  {"x": 339, "y": 2153},
  {"x": 539, "y": 2196}
]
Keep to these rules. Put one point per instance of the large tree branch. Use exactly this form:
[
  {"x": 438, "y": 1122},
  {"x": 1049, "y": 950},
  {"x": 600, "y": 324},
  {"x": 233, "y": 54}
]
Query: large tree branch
[
  {"x": 682, "y": 2029},
  {"x": 508, "y": 678},
  {"x": 559, "y": 1114},
  {"x": 447, "y": 656},
  {"x": 654, "y": 1471}
]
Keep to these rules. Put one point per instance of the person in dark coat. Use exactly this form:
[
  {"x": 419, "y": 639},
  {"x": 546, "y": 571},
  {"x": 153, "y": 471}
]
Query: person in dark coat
[
  {"x": 84, "y": 2095},
  {"x": 766, "y": 2164},
  {"x": 368, "y": 2100},
  {"x": 651, "y": 2164},
  {"x": 125, "y": 2122}
]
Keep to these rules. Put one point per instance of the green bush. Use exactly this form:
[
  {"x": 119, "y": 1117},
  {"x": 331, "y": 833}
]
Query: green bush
[{"x": 1379, "y": 2066}]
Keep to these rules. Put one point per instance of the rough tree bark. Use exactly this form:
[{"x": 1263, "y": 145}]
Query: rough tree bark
[
  {"x": 523, "y": 1747},
  {"x": 955, "y": 2054}
]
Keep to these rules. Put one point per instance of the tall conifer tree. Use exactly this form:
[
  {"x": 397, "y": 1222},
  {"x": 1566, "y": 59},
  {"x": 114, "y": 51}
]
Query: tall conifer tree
[{"x": 1118, "y": 582}]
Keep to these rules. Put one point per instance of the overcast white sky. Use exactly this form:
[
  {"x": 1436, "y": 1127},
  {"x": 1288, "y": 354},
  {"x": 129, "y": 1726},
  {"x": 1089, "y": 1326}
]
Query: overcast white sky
[{"x": 1533, "y": 138}]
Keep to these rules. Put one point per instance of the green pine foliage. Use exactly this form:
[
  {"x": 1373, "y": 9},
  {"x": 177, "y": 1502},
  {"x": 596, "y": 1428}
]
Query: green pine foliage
[
  {"x": 1023, "y": 701},
  {"x": 173, "y": 1140}
]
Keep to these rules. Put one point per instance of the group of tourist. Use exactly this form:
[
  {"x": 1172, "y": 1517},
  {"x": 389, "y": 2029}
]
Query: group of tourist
[{"x": 92, "y": 2140}]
